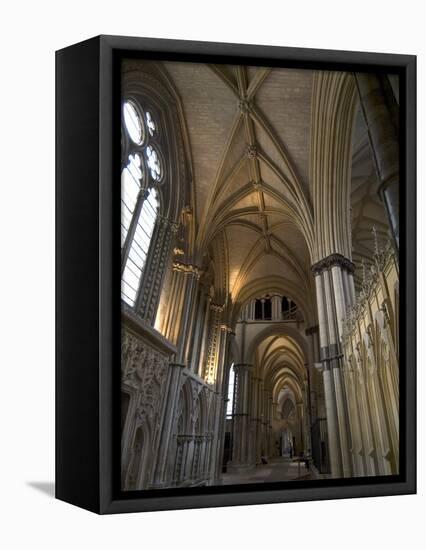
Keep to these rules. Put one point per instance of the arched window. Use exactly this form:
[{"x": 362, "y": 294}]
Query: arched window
[
  {"x": 139, "y": 196},
  {"x": 258, "y": 310},
  {"x": 231, "y": 383},
  {"x": 267, "y": 309},
  {"x": 263, "y": 309},
  {"x": 290, "y": 310}
]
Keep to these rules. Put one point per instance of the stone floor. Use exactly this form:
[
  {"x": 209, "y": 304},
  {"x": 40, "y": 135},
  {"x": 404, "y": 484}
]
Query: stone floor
[{"x": 278, "y": 469}]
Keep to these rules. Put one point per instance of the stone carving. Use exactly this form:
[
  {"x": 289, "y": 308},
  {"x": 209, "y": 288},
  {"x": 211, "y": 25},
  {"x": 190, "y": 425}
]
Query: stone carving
[
  {"x": 333, "y": 260},
  {"x": 187, "y": 268},
  {"x": 244, "y": 106},
  {"x": 154, "y": 270},
  {"x": 252, "y": 152},
  {"x": 145, "y": 370},
  {"x": 213, "y": 343}
]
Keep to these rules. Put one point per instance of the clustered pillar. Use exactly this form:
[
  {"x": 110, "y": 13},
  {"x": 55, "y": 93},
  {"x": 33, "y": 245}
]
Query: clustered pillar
[
  {"x": 335, "y": 293},
  {"x": 241, "y": 418}
]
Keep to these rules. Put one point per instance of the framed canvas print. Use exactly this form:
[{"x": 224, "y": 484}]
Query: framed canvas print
[{"x": 235, "y": 274}]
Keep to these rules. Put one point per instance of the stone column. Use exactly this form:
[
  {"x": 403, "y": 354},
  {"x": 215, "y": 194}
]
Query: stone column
[
  {"x": 311, "y": 393},
  {"x": 171, "y": 324},
  {"x": 185, "y": 317},
  {"x": 226, "y": 340},
  {"x": 195, "y": 311},
  {"x": 155, "y": 268},
  {"x": 276, "y": 308},
  {"x": 168, "y": 417},
  {"x": 263, "y": 307},
  {"x": 259, "y": 418},
  {"x": 381, "y": 113},
  {"x": 307, "y": 415},
  {"x": 333, "y": 298},
  {"x": 330, "y": 401},
  {"x": 301, "y": 416},
  {"x": 213, "y": 344},
  {"x": 241, "y": 419},
  {"x": 197, "y": 341},
  {"x": 205, "y": 336}
]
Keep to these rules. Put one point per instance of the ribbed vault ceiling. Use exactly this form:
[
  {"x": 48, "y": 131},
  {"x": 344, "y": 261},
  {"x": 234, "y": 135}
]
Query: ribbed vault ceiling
[{"x": 249, "y": 133}]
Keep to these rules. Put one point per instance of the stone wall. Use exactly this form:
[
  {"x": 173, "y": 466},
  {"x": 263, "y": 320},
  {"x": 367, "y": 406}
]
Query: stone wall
[{"x": 371, "y": 369}]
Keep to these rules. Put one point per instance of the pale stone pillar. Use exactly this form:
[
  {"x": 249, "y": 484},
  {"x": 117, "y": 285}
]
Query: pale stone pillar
[
  {"x": 276, "y": 308},
  {"x": 168, "y": 416},
  {"x": 155, "y": 269},
  {"x": 333, "y": 289},
  {"x": 241, "y": 418},
  {"x": 307, "y": 415},
  {"x": 205, "y": 333},
  {"x": 299, "y": 406},
  {"x": 244, "y": 313},
  {"x": 171, "y": 327},
  {"x": 195, "y": 342},
  {"x": 342, "y": 414},
  {"x": 211, "y": 363},
  {"x": 339, "y": 297},
  {"x": 186, "y": 318},
  {"x": 330, "y": 401},
  {"x": 227, "y": 338}
]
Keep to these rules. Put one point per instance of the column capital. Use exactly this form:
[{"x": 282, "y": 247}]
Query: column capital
[
  {"x": 167, "y": 222},
  {"x": 217, "y": 307},
  {"x": 227, "y": 329},
  {"x": 331, "y": 261},
  {"x": 318, "y": 366},
  {"x": 187, "y": 268}
]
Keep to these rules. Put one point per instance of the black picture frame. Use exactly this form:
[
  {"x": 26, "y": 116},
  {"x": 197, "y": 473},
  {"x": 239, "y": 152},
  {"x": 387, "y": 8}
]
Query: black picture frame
[{"x": 87, "y": 307}]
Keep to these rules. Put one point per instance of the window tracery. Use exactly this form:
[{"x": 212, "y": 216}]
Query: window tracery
[{"x": 140, "y": 202}]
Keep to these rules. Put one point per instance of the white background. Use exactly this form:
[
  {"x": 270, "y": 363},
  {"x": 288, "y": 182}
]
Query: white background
[{"x": 30, "y": 32}]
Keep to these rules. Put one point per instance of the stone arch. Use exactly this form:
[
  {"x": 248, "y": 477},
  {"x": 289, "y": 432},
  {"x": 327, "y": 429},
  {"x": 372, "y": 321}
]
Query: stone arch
[
  {"x": 139, "y": 466},
  {"x": 144, "y": 83},
  {"x": 274, "y": 285},
  {"x": 185, "y": 409},
  {"x": 334, "y": 101},
  {"x": 271, "y": 330}
]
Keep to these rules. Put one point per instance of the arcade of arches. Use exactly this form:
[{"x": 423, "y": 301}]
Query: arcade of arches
[{"x": 260, "y": 273}]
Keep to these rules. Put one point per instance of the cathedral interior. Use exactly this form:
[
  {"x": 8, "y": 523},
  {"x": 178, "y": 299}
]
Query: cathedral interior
[{"x": 259, "y": 280}]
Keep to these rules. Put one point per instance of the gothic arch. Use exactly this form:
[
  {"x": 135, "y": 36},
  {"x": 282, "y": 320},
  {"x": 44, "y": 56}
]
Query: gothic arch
[
  {"x": 274, "y": 330},
  {"x": 146, "y": 84},
  {"x": 140, "y": 464},
  {"x": 334, "y": 99},
  {"x": 274, "y": 285}
]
